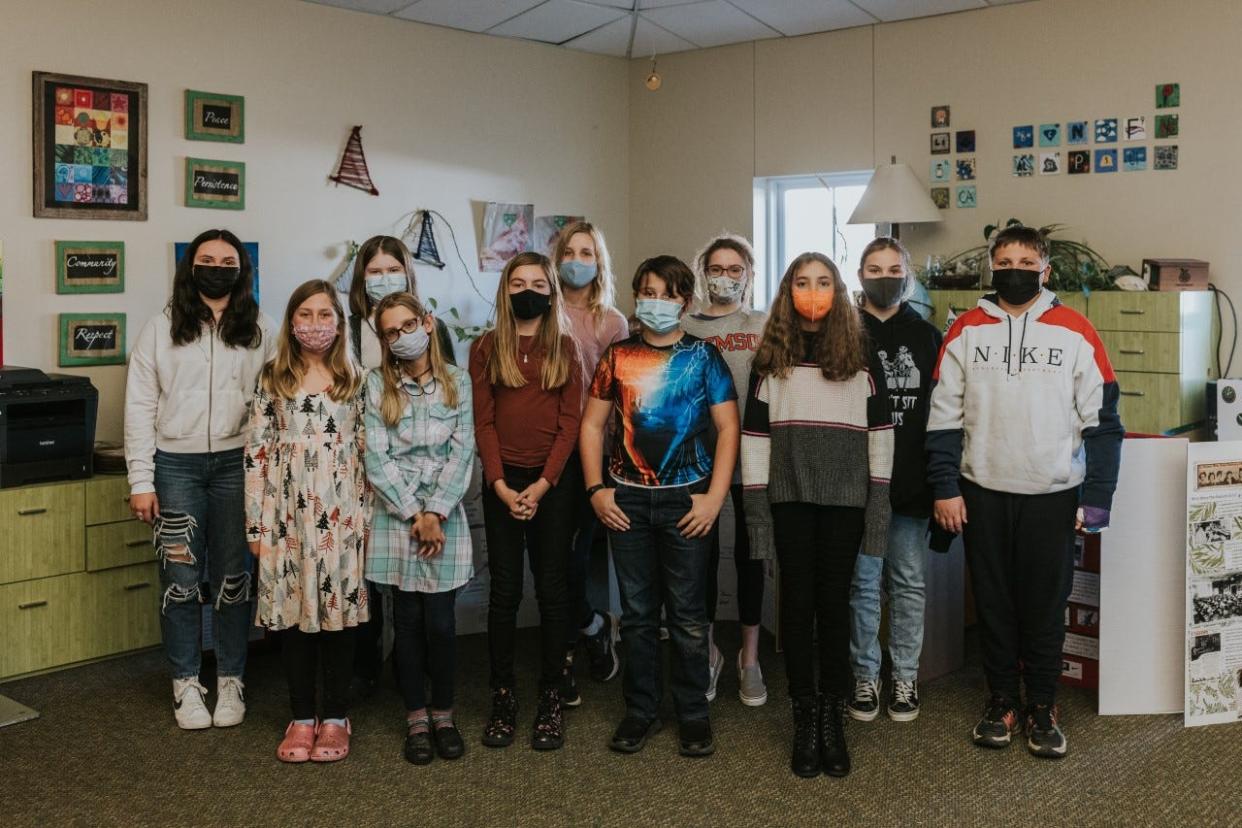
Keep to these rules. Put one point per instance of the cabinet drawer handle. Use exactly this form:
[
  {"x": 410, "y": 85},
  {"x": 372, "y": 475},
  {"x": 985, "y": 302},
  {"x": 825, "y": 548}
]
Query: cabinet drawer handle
[
  {"x": 28, "y": 512},
  {"x": 1132, "y": 393},
  {"x": 139, "y": 585},
  {"x": 1136, "y": 351},
  {"x": 133, "y": 543},
  {"x": 32, "y": 604},
  {"x": 1133, "y": 311}
]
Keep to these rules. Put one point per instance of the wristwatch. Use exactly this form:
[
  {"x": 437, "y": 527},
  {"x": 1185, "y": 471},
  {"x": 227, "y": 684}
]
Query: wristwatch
[{"x": 593, "y": 489}]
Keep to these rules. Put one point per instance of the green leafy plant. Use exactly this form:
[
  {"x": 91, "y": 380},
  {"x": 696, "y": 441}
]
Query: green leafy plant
[{"x": 1076, "y": 266}]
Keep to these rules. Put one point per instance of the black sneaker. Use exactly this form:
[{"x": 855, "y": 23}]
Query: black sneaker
[
  {"x": 695, "y": 736},
  {"x": 549, "y": 730},
  {"x": 999, "y": 723},
  {"x": 568, "y": 687},
  {"x": 602, "y": 649},
  {"x": 865, "y": 705},
  {"x": 903, "y": 701},
  {"x": 503, "y": 721},
  {"x": 632, "y": 734},
  {"x": 1043, "y": 732}
]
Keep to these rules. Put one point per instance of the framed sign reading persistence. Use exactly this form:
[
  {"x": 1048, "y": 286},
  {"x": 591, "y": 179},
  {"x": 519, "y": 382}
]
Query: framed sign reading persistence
[
  {"x": 90, "y": 148},
  {"x": 90, "y": 267},
  {"x": 212, "y": 117},
  {"x": 220, "y": 184},
  {"x": 92, "y": 339}
]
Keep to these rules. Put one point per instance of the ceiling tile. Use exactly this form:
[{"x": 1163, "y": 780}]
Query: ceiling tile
[
  {"x": 557, "y": 21},
  {"x": 471, "y": 15},
  {"x": 373, "y": 6},
  {"x": 625, "y": 5},
  {"x": 906, "y": 9},
  {"x": 710, "y": 23},
  {"x": 650, "y": 39},
  {"x": 611, "y": 39},
  {"x": 798, "y": 17},
  {"x": 657, "y": 4}
]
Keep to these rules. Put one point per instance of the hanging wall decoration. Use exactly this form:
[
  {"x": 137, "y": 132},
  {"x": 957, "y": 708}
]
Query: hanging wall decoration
[
  {"x": 967, "y": 195},
  {"x": 1106, "y": 130},
  {"x": 1136, "y": 128},
  {"x": 218, "y": 184},
  {"x": 92, "y": 339},
  {"x": 1168, "y": 95},
  {"x": 1165, "y": 157},
  {"x": 1024, "y": 165},
  {"x": 1023, "y": 136},
  {"x": 506, "y": 233},
  {"x": 1134, "y": 159},
  {"x": 940, "y": 143},
  {"x": 1166, "y": 126},
  {"x": 90, "y": 148},
  {"x": 1050, "y": 135},
  {"x": 1078, "y": 162},
  {"x": 940, "y": 197},
  {"x": 1049, "y": 163},
  {"x": 90, "y": 267},
  {"x": 214, "y": 117},
  {"x": 352, "y": 170},
  {"x": 940, "y": 117},
  {"x": 426, "y": 250},
  {"x": 1076, "y": 133},
  {"x": 964, "y": 140},
  {"x": 1106, "y": 160}
]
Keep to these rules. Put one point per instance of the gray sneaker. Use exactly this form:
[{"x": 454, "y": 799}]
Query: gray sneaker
[
  {"x": 751, "y": 690},
  {"x": 715, "y": 666}
]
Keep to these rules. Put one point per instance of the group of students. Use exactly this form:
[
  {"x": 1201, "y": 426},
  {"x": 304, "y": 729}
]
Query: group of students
[{"x": 336, "y": 450}]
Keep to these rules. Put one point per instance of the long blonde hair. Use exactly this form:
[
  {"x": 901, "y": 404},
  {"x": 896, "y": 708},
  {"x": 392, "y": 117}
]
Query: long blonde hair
[
  {"x": 559, "y": 350},
  {"x": 394, "y": 399},
  {"x": 282, "y": 377},
  {"x": 601, "y": 297}
]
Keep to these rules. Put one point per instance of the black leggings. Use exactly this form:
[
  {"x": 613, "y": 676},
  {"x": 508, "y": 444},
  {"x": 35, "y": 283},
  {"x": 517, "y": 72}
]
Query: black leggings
[
  {"x": 302, "y": 653},
  {"x": 749, "y": 573},
  {"x": 426, "y": 646},
  {"x": 817, "y": 547}
]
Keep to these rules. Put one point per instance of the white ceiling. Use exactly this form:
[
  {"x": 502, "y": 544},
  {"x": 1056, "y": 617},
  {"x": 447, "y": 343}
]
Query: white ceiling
[{"x": 642, "y": 28}]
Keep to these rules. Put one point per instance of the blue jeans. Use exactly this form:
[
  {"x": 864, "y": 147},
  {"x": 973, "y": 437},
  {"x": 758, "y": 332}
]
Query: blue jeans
[
  {"x": 657, "y": 567},
  {"x": 902, "y": 571},
  {"x": 201, "y": 537}
]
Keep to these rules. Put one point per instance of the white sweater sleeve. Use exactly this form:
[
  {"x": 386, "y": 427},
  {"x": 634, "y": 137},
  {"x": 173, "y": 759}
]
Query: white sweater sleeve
[{"x": 142, "y": 395}]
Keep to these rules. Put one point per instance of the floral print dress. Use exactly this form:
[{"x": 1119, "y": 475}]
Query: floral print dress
[{"x": 308, "y": 507}]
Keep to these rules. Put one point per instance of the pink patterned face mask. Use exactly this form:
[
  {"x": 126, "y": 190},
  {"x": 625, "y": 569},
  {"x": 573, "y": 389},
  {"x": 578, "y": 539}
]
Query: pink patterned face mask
[{"x": 315, "y": 338}]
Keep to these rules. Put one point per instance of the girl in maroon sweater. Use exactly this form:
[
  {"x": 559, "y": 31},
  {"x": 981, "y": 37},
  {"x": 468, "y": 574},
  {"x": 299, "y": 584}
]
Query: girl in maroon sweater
[{"x": 528, "y": 389}]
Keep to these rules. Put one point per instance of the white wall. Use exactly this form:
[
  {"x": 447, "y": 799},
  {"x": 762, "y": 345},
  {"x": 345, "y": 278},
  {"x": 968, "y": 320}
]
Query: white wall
[{"x": 449, "y": 119}]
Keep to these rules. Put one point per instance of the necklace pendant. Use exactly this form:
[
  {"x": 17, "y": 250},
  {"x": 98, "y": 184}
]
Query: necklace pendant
[{"x": 525, "y": 358}]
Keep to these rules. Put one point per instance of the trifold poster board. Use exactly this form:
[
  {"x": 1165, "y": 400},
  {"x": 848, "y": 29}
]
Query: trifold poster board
[
  {"x": 1213, "y": 612},
  {"x": 1142, "y": 569}
]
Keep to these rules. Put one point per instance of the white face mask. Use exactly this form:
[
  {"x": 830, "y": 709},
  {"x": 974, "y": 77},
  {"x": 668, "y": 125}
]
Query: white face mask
[
  {"x": 725, "y": 290},
  {"x": 411, "y": 345}
]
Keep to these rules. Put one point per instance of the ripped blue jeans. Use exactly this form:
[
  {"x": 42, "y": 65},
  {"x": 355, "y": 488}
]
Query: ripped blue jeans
[{"x": 200, "y": 537}]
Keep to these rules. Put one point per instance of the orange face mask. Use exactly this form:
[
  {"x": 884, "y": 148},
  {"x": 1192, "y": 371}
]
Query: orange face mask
[{"x": 813, "y": 305}]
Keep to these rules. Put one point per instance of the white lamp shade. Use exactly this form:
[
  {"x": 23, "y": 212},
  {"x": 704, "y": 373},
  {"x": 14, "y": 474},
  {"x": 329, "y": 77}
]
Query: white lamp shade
[{"x": 895, "y": 195}]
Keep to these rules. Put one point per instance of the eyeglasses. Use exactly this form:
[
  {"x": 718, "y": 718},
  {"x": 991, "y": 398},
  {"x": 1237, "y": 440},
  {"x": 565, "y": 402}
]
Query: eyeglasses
[
  {"x": 736, "y": 271},
  {"x": 393, "y": 334}
]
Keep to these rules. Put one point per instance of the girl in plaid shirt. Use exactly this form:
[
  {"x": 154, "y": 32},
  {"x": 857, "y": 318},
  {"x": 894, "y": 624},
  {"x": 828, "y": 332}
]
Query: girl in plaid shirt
[{"x": 419, "y": 457}]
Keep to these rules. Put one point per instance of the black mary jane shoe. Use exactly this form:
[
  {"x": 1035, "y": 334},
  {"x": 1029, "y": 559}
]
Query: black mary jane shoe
[
  {"x": 449, "y": 744},
  {"x": 418, "y": 749}
]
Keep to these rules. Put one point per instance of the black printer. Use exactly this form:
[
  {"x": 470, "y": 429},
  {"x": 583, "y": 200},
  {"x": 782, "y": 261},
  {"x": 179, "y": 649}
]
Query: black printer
[{"x": 47, "y": 426}]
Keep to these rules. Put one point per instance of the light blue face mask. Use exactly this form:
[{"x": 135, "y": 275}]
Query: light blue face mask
[
  {"x": 578, "y": 274},
  {"x": 659, "y": 316},
  {"x": 380, "y": 286}
]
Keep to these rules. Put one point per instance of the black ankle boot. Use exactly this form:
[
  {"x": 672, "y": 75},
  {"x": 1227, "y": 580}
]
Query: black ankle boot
[
  {"x": 805, "y": 759},
  {"x": 834, "y": 756}
]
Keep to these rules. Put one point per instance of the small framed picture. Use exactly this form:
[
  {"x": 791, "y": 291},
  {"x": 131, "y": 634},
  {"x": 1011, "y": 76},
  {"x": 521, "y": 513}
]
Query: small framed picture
[
  {"x": 1136, "y": 128},
  {"x": 941, "y": 170},
  {"x": 1024, "y": 165},
  {"x": 90, "y": 267},
  {"x": 940, "y": 143},
  {"x": 1165, "y": 157},
  {"x": 1134, "y": 159},
  {"x": 214, "y": 117},
  {"x": 92, "y": 339},
  {"x": 1076, "y": 133},
  {"x": 1050, "y": 135},
  {"x": 966, "y": 169},
  {"x": 967, "y": 196},
  {"x": 1106, "y": 160},
  {"x": 1166, "y": 126},
  {"x": 1023, "y": 136},
  {"x": 1050, "y": 163},
  {"x": 940, "y": 117},
  {"x": 1078, "y": 162},
  {"x": 965, "y": 140},
  {"x": 940, "y": 197},
  {"x": 1106, "y": 130},
  {"x": 218, "y": 184},
  {"x": 1168, "y": 95}
]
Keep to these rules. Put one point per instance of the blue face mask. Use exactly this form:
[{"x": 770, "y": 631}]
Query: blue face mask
[
  {"x": 380, "y": 286},
  {"x": 578, "y": 274},
  {"x": 659, "y": 316}
]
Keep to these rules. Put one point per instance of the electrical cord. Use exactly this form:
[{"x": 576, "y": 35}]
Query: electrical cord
[{"x": 1220, "y": 331}]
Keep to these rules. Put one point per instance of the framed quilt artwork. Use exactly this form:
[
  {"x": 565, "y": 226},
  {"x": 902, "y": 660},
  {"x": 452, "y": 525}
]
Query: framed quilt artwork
[{"x": 90, "y": 148}]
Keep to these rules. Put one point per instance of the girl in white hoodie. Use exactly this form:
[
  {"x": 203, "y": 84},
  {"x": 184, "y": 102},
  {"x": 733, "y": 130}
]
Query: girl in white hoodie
[{"x": 191, "y": 375}]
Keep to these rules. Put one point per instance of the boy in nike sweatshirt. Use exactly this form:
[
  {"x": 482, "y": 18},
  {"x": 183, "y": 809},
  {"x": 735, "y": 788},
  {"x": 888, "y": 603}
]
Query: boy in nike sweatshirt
[{"x": 1023, "y": 444}]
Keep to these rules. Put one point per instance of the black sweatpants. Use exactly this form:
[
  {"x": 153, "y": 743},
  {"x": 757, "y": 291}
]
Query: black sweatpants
[
  {"x": 1021, "y": 554},
  {"x": 302, "y": 653},
  {"x": 817, "y": 547}
]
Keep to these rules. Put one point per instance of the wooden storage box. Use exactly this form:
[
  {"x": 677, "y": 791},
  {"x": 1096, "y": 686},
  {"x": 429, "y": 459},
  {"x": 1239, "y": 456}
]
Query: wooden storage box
[{"x": 1175, "y": 274}]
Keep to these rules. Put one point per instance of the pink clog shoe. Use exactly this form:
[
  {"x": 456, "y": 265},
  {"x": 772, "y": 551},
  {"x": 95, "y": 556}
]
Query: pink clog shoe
[
  {"x": 297, "y": 744},
  {"x": 331, "y": 742}
]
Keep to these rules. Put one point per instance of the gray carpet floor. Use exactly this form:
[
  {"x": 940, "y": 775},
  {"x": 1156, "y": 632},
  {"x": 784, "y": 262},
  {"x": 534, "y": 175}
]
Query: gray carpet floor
[{"x": 107, "y": 752}]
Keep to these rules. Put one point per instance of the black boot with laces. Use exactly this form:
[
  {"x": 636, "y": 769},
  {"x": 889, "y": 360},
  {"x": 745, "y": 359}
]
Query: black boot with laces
[
  {"x": 549, "y": 732},
  {"x": 503, "y": 721},
  {"x": 805, "y": 757},
  {"x": 834, "y": 756}
]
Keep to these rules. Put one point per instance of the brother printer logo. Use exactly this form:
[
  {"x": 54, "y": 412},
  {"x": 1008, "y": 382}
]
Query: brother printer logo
[{"x": 47, "y": 442}]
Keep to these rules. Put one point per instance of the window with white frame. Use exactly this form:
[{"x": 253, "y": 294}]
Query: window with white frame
[{"x": 797, "y": 214}]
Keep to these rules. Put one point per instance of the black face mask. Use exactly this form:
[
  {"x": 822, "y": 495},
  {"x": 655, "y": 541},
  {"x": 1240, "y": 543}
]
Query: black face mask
[
  {"x": 530, "y": 304},
  {"x": 215, "y": 282},
  {"x": 1016, "y": 286},
  {"x": 884, "y": 291}
]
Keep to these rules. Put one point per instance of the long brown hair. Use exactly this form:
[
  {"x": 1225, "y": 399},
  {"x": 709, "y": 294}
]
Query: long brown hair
[
  {"x": 359, "y": 302},
  {"x": 393, "y": 401},
  {"x": 601, "y": 296},
  {"x": 239, "y": 324},
  {"x": 840, "y": 342},
  {"x": 552, "y": 339},
  {"x": 282, "y": 377}
]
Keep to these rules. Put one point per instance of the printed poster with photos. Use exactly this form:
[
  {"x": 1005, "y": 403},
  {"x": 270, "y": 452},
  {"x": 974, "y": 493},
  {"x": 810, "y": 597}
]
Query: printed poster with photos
[
  {"x": 507, "y": 231},
  {"x": 1214, "y": 584}
]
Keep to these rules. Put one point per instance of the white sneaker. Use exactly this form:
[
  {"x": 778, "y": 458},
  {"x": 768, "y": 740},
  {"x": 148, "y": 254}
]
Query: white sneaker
[
  {"x": 188, "y": 705},
  {"x": 715, "y": 666},
  {"x": 230, "y": 703}
]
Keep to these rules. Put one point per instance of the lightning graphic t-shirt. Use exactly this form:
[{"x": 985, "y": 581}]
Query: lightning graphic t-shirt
[{"x": 661, "y": 400}]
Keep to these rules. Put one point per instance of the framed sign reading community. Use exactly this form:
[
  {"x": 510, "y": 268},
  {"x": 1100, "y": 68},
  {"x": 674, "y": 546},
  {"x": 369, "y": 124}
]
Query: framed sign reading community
[{"x": 90, "y": 267}]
